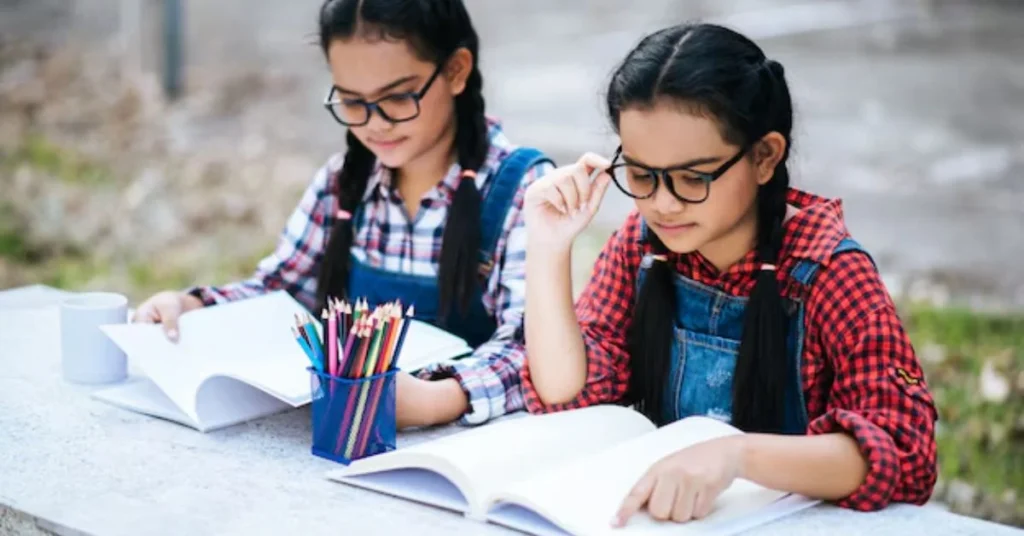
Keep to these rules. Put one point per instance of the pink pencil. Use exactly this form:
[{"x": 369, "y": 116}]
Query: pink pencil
[{"x": 332, "y": 340}]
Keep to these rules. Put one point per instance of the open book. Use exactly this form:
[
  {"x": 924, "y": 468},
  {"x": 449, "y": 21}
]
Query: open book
[
  {"x": 237, "y": 362},
  {"x": 561, "y": 473}
]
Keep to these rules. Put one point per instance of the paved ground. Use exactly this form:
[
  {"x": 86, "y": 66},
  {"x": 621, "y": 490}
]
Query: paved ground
[{"x": 912, "y": 111}]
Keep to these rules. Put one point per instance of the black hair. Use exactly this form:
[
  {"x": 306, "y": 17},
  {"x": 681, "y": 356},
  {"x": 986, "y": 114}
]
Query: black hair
[
  {"x": 434, "y": 29},
  {"x": 717, "y": 72}
]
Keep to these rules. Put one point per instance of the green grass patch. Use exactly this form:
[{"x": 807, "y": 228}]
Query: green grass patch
[
  {"x": 13, "y": 245},
  {"x": 64, "y": 164},
  {"x": 981, "y": 438}
]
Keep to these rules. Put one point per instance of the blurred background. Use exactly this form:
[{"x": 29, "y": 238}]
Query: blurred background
[{"x": 152, "y": 144}]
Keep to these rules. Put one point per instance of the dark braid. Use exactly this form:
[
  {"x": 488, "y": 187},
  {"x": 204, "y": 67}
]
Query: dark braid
[
  {"x": 435, "y": 29},
  {"x": 721, "y": 73},
  {"x": 649, "y": 347},
  {"x": 460, "y": 259},
  {"x": 760, "y": 380},
  {"x": 349, "y": 186}
]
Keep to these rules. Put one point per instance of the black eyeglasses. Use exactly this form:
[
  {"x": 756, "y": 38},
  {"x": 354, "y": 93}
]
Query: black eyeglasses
[
  {"x": 394, "y": 108},
  {"x": 687, "y": 185}
]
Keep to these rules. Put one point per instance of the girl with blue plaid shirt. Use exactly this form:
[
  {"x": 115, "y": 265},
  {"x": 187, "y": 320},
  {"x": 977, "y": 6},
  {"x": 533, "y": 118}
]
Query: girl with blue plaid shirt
[{"x": 425, "y": 206}]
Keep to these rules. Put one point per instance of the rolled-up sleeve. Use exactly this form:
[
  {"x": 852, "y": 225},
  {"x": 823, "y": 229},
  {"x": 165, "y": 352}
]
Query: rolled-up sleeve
[{"x": 879, "y": 395}]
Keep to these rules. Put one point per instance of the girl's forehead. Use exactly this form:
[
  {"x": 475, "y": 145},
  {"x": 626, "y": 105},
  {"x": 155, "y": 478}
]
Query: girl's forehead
[
  {"x": 365, "y": 65},
  {"x": 665, "y": 135}
]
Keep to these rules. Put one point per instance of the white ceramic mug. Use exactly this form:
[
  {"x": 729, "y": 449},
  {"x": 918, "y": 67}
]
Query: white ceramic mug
[{"x": 88, "y": 356}]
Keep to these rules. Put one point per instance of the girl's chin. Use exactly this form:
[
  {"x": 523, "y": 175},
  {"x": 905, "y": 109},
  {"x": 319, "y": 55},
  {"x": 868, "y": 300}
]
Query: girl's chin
[
  {"x": 686, "y": 241},
  {"x": 394, "y": 158}
]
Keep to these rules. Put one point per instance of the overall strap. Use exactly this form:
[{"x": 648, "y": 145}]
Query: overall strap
[
  {"x": 501, "y": 192},
  {"x": 806, "y": 269}
]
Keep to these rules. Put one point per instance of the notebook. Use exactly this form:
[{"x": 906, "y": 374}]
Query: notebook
[
  {"x": 237, "y": 362},
  {"x": 561, "y": 473}
]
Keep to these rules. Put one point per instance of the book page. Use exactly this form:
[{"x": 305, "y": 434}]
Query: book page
[
  {"x": 249, "y": 340},
  {"x": 484, "y": 459},
  {"x": 143, "y": 396},
  {"x": 224, "y": 401},
  {"x": 425, "y": 344},
  {"x": 582, "y": 497},
  {"x": 176, "y": 372}
]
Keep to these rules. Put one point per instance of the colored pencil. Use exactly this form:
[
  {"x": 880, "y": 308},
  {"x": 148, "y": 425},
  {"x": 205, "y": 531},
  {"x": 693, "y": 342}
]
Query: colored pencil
[
  {"x": 353, "y": 342},
  {"x": 391, "y": 339},
  {"x": 370, "y": 366},
  {"x": 356, "y": 364},
  {"x": 331, "y": 341}
]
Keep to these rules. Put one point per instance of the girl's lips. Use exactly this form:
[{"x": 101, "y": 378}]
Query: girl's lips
[
  {"x": 675, "y": 229},
  {"x": 389, "y": 144}
]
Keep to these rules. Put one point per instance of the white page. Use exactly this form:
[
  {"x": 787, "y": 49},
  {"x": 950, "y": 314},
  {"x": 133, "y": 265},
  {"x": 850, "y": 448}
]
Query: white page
[
  {"x": 249, "y": 339},
  {"x": 224, "y": 401},
  {"x": 418, "y": 485},
  {"x": 425, "y": 344},
  {"x": 584, "y": 495},
  {"x": 177, "y": 372},
  {"x": 144, "y": 396},
  {"x": 524, "y": 520},
  {"x": 493, "y": 455}
]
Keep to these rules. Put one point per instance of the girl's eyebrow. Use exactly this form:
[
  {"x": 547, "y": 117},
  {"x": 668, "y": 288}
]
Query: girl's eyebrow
[
  {"x": 687, "y": 164},
  {"x": 383, "y": 88}
]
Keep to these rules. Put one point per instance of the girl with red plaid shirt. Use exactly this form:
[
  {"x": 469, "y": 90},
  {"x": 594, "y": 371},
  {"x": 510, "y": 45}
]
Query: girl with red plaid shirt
[{"x": 727, "y": 293}]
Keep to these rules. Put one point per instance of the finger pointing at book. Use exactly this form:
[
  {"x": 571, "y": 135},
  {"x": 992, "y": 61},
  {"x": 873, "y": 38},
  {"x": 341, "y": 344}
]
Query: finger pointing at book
[{"x": 684, "y": 485}]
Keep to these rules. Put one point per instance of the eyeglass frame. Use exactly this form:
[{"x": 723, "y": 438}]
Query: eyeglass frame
[
  {"x": 374, "y": 105},
  {"x": 662, "y": 175}
]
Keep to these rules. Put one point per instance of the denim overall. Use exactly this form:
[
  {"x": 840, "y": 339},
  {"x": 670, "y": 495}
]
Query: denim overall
[
  {"x": 477, "y": 325},
  {"x": 708, "y": 328}
]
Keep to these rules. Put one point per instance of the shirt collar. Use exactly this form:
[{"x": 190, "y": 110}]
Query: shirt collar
[
  {"x": 812, "y": 233},
  {"x": 815, "y": 231}
]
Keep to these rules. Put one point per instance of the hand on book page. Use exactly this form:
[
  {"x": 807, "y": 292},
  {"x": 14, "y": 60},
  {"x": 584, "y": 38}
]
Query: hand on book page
[
  {"x": 584, "y": 495},
  {"x": 684, "y": 485}
]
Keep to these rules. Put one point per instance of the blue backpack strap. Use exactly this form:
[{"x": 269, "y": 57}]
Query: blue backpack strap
[
  {"x": 806, "y": 269},
  {"x": 500, "y": 193}
]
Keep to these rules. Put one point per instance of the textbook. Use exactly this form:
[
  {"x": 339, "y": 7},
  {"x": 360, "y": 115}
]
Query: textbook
[
  {"x": 561, "y": 473},
  {"x": 236, "y": 362}
]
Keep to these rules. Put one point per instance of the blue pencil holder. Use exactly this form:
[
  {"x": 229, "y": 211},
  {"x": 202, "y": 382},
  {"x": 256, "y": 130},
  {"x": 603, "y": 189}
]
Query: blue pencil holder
[{"x": 352, "y": 418}]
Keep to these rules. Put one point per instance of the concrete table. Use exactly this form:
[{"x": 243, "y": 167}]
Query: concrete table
[{"x": 73, "y": 465}]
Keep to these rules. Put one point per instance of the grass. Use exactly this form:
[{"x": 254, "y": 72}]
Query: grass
[
  {"x": 980, "y": 438},
  {"x": 66, "y": 165},
  {"x": 12, "y": 240}
]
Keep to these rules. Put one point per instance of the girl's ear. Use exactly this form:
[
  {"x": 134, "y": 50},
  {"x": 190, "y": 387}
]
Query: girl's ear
[
  {"x": 767, "y": 153},
  {"x": 460, "y": 66}
]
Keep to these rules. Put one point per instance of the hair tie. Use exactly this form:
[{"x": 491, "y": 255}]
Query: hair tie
[
  {"x": 343, "y": 215},
  {"x": 662, "y": 258},
  {"x": 468, "y": 174},
  {"x": 769, "y": 267}
]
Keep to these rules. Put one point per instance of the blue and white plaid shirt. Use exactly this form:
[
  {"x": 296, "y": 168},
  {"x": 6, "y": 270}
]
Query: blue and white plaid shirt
[{"x": 385, "y": 238}]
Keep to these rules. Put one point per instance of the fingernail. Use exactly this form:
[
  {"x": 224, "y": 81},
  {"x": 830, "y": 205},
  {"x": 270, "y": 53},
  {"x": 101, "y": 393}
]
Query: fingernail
[
  {"x": 173, "y": 334},
  {"x": 616, "y": 522}
]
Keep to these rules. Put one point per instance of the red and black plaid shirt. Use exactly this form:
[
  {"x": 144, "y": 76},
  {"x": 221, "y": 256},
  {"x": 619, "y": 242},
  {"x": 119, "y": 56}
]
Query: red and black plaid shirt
[{"x": 860, "y": 373}]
